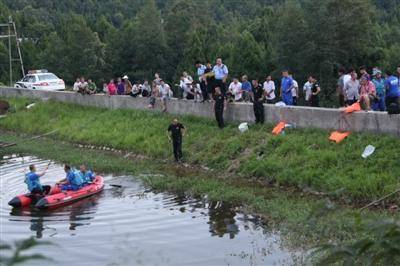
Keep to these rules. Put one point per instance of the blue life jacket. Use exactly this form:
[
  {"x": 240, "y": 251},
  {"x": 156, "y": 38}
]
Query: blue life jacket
[
  {"x": 74, "y": 179},
  {"x": 32, "y": 181},
  {"x": 88, "y": 177}
]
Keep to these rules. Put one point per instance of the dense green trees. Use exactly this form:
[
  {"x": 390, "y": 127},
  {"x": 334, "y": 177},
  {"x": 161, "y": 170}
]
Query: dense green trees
[{"x": 106, "y": 38}]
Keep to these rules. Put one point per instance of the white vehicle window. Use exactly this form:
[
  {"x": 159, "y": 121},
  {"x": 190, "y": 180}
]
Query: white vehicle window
[
  {"x": 47, "y": 76},
  {"x": 26, "y": 78}
]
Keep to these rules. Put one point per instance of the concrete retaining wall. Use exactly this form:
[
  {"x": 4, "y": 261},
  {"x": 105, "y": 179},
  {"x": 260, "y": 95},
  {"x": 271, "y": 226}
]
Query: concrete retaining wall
[{"x": 325, "y": 118}]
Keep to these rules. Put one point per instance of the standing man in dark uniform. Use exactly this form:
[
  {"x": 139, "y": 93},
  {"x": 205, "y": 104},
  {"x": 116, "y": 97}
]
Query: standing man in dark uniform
[
  {"x": 175, "y": 133},
  {"x": 219, "y": 107},
  {"x": 258, "y": 101}
]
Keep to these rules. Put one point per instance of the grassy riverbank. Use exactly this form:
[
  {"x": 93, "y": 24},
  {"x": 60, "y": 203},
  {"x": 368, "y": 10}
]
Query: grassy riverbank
[
  {"x": 303, "y": 158},
  {"x": 304, "y": 220}
]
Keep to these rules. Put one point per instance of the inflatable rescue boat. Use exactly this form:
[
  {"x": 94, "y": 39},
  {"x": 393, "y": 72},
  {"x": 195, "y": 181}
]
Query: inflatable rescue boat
[{"x": 57, "y": 198}]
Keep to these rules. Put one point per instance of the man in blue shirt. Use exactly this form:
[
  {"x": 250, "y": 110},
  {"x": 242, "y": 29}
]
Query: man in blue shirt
[
  {"x": 200, "y": 74},
  {"x": 392, "y": 85},
  {"x": 246, "y": 88},
  {"x": 221, "y": 74},
  {"x": 32, "y": 179},
  {"x": 72, "y": 181},
  {"x": 286, "y": 88},
  {"x": 86, "y": 175}
]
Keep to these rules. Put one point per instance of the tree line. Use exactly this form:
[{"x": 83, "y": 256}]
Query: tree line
[{"x": 107, "y": 38}]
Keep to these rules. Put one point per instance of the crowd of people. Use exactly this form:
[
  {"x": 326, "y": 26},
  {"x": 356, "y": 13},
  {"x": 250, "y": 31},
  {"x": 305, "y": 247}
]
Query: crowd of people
[
  {"x": 375, "y": 91},
  {"x": 378, "y": 92}
]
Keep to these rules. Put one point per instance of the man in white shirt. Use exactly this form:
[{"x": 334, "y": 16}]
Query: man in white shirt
[
  {"x": 269, "y": 88},
  {"x": 235, "y": 89},
  {"x": 165, "y": 94},
  {"x": 221, "y": 74},
  {"x": 185, "y": 84},
  {"x": 307, "y": 90},
  {"x": 77, "y": 84},
  {"x": 347, "y": 76},
  {"x": 352, "y": 89},
  {"x": 295, "y": 91}
]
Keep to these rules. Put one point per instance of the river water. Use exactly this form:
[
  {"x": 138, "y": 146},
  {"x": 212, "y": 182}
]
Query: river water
[{"x": 128, "y": 224}]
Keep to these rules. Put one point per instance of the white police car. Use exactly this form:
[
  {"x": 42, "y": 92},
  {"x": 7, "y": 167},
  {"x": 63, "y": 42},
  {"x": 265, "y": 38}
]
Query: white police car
[{"x": 41, "y": 80}]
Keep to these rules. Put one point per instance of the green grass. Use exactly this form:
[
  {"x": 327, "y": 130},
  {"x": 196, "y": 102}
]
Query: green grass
[
  {"x": 303, "y": 220},
  {"x": 303, "y": 158}
]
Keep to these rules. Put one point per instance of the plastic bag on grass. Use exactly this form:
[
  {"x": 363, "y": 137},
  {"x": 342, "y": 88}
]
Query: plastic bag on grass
[
  {"x": 243, "y": 127},
  {"x": 29, "y": 106},
  {"x": 369, "y": 150}
]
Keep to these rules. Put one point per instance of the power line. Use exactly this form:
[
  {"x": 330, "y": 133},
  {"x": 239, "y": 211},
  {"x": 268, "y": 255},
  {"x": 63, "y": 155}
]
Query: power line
[{"x": 12, "y": 34}]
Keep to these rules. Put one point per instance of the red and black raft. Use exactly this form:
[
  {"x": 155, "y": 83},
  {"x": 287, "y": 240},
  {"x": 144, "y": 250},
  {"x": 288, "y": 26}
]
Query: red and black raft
[{"x": 57, "y": 198}]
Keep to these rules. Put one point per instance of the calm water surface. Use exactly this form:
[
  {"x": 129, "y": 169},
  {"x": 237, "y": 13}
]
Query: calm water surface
[{"x": 129, "y": 224}]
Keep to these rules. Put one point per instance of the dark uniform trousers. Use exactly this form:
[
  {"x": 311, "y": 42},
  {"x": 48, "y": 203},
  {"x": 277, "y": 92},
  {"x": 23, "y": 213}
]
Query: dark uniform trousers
[
  {"x": 204, "y": 92},
  {"x": 258, "y": 111},
  {"x": 177, "y": 147},
  {"x": 219, "y": 116}
]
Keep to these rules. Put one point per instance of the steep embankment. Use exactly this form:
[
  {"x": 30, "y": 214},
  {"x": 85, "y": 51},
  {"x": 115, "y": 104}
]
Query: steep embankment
[{"x": 301, "y": 158}]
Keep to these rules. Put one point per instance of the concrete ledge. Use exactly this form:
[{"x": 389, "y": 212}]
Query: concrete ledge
[{"x": 304, "y": 117}]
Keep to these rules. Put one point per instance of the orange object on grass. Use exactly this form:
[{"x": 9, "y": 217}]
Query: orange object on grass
[
  {"x": 352, "y": 108},
  {"x": 278, "y": 128},
  {"x": 338, "y": 137}
]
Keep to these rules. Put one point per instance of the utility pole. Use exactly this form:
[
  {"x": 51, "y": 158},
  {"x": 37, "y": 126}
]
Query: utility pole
[
  {"x": 11, "y": 27},
  {"x": 9, "y": 49}
]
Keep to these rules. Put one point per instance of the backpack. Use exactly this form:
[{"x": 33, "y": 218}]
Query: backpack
[{"x": 393, "y": 108}]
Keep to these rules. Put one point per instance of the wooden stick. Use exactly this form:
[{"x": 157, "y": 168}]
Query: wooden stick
[
  {"x": 378, "y": 200},
  {"x": 35, "y": 137},
  {"x": 7, "y": 145},
  {"x": 46, "y": 134}
]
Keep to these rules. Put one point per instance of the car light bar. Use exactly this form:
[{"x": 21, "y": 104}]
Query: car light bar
[{"x": 37, "y": 71}]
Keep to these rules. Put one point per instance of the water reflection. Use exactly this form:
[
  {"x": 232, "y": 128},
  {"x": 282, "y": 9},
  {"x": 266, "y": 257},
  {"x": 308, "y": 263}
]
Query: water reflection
[
  {"x": 79, "y": 214},
  {"x": 221, "y": 215},
  {"x": 222, "y": 219},
  {"x": 129, "y": 223}
]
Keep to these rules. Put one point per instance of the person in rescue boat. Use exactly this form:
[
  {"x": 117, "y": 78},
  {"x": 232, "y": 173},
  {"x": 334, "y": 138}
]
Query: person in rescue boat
[
  {"x": 32, "y": 179},
  {"x": 86, "y": 175},
  {"x": 72, "y": 181}
]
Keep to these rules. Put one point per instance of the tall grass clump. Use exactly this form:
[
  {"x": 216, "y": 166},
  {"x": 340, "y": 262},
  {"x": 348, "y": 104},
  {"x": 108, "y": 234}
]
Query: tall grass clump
[{"x": 381, "y": 247}]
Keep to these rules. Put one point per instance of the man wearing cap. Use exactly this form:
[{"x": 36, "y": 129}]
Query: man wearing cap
[
  {"x": 221, "y": 74},
  {"x": 286, "y": 88},
  {"x": 379, "y": 82}
]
